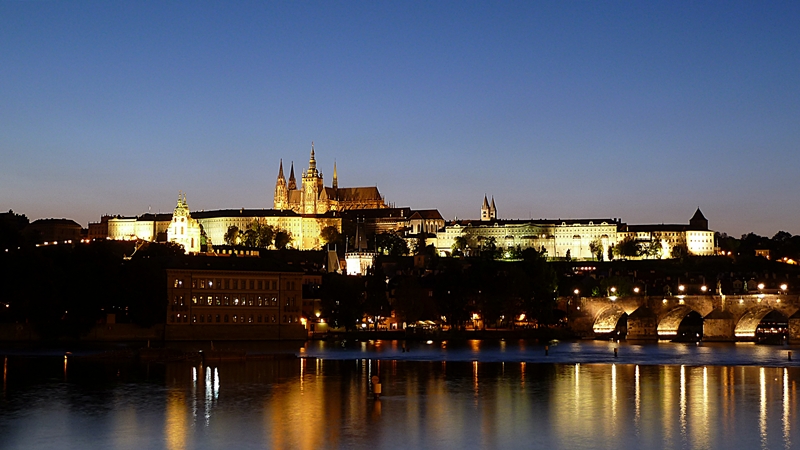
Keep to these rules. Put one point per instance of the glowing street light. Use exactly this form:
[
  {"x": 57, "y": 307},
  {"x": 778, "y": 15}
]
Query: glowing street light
[
  {"x": 760, "y": 286},
  {"x": 576, "y": 292},
  {"x": 681, "y": 288},
  {"x": 636, "y": 290},
  {"x": 704, "y": 288},
  {"x": 784, "y": 287}
]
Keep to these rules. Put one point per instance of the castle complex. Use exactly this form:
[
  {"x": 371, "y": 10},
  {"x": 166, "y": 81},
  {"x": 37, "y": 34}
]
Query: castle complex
[{"x": 304, "y": 211}]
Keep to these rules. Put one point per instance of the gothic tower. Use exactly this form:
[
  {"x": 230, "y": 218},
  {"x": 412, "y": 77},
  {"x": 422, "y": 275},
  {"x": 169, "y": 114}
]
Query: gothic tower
[
  {"x": 485, "y": 212},
  {"x": 281, "y": 194},
  {"x": 493, "y": 210},
  {"x": 335, "y": 183},
  {"x": 312, "y": 184}
]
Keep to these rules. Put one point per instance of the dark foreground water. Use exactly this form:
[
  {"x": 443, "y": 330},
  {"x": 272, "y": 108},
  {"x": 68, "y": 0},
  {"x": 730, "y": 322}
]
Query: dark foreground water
[{"x": 473, "y": 399}]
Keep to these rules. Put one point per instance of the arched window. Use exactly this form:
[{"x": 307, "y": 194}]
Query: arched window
[{"x": 226, "y": 318}]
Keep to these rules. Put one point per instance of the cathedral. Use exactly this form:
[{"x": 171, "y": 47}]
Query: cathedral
[{"x": 312, "y": 197}]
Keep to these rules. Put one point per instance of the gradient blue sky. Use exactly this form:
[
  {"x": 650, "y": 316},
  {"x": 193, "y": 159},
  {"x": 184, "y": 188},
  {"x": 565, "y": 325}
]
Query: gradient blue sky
[{"x": 637, "y": 110}]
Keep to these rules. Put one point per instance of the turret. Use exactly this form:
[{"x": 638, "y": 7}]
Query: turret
[
  {"x": 493, "y": 210},
  {"x": 698, "y": 221},
  {"x": 335, "y": 182}
]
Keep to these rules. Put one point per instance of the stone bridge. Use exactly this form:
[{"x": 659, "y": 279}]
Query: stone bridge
[{"x": 725, "y": 317}]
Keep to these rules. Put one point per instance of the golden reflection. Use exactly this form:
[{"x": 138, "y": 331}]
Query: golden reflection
[
  {"x": 475, "y": 345},
  {"x": 522, "y": 374},
  {"x": 637, "y": 399},
  {"x": 683, "y": 402},
  {"x": 5, "y": 374},
  {"x": 787, "y": 440},
  {"x": 577, "y": 386},
  {"x": 613, "y": 393},
  {"x": 302, "y": 372},
  {"x": 175, "y": 426},
  {"x": 65, "y": 367},
  {"x": 475, "y": 380},
  {"x": 762, "y": 416}
]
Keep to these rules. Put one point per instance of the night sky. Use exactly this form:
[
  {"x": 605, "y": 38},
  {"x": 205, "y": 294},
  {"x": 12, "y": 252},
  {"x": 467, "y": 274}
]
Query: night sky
[{"x": 637, "y": 110}]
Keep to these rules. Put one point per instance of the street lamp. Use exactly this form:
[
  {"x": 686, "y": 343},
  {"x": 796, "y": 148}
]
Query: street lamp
[
  {"x": 681, "y": 288},
  {"x": 636, "y": 290},
  {"x": 704, "y": 288},
  {"x": 760, "y": 286},
  {"x": 576, "y": 292},
  {"x": 784, "y": 287}
]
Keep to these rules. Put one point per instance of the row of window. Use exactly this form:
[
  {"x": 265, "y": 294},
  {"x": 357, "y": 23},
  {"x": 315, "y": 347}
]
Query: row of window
[
  {"x": 235, "y": 318},
  {"x": 235, "y": 300}
]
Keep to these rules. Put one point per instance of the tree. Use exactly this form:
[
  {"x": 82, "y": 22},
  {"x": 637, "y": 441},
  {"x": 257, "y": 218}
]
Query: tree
[
  {"x": 232, "y": 235},
  {"x": 330, "y": 235},
  {"x": 596, "y": 247},
  {"x": 391, "y": 244},
  {"x": 282, "y": 239},
  {"x": 568, "y": 256},
  {"x": 459, "y": 245},
  {"x": 628, "y": 248},
  {"x": 679, "y": 251},
  {"x": 654, "y": 249}
]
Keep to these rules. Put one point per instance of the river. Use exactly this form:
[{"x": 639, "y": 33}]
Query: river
[{"x": 473, "y": 394}]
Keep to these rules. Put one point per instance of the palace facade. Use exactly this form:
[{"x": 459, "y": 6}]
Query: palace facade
[{"x": 574, "y": 238}]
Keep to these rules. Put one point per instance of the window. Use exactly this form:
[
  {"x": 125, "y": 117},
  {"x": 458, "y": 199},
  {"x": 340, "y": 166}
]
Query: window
[
  {"x": 235, "y": 318},
  {"x": 194, "y": 318},
  {"x": 217, "y": 317},
  {"x": 252, "y": 285},
  {"x": 202, "y": 318},
  {"x": 226, "y": 318},
  {"x": 259, "y": 318}
]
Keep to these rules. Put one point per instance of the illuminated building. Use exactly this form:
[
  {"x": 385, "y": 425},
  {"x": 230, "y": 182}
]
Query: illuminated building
[
  {"x": 312, "y": 197},
  {"x": 233, "y": 298},
  {"x": 575, "y": 237},
  {"x": 183, "y": 229}
]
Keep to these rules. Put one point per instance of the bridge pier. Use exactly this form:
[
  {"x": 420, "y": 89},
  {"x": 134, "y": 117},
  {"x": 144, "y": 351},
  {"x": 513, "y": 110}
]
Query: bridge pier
[
  {"x": 794, "y": 328},
  {"x": 719, "y": 325},
  {"x": 643, "y": 324}
]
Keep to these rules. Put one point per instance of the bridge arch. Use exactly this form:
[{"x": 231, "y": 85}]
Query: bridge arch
[
  {"x": 607, "y": 319},
  {"x": 670, "y": 322},
  {"x": 747, "y": 324}
]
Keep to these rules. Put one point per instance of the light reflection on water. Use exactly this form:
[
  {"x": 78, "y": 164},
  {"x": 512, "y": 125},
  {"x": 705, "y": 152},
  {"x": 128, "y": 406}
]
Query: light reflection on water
[{"x": 315, "y": 403}]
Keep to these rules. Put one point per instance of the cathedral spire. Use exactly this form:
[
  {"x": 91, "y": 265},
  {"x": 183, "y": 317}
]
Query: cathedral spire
[
  {"x": 292, "y": 181},
  {"x": 280, "y": 172},
  {"x": 312, "y": 163},
  {"x": 335, "y": 183}
]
